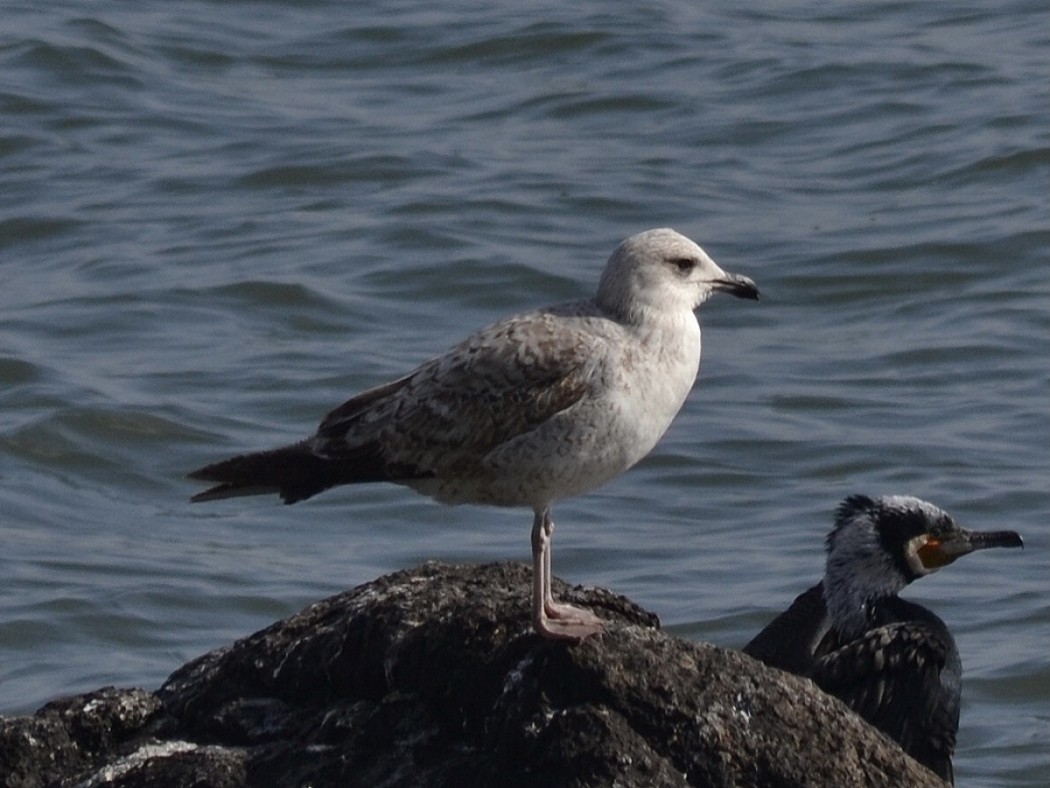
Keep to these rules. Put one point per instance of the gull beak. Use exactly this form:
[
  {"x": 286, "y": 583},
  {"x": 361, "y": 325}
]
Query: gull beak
[
  {"x": 941, "y": 552},
  {"x": 737, "y": 285}
]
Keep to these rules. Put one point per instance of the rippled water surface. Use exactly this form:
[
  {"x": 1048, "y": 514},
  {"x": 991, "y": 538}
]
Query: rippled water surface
[{"x": 219, "y": 220}]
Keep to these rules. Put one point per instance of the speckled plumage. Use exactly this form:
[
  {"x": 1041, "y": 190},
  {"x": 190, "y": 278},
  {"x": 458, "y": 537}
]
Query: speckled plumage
[
  {"x": 537, "y": 407},
  {"x": 525, "y": 411},
  {"x": 892, "y": 661}
]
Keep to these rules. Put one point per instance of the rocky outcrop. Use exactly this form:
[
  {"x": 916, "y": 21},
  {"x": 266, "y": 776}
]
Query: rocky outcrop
[{"x": 432, "y": 677}]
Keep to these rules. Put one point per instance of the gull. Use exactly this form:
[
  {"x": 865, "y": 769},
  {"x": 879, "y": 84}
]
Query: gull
[{"x": 535, "y": 408}]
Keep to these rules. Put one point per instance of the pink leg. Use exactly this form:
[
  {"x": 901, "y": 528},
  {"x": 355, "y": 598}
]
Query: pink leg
[{"x": 553, "y": 619}]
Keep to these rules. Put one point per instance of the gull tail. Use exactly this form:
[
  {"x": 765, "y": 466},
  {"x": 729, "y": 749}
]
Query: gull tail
[{"x": 294, "y": 472}]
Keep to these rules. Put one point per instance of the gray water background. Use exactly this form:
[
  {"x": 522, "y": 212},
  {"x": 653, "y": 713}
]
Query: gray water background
[{"x": 219, "y": 220}]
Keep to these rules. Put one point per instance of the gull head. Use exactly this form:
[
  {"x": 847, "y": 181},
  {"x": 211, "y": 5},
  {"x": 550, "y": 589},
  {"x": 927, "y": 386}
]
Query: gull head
[{"x": 663, "y": 271}]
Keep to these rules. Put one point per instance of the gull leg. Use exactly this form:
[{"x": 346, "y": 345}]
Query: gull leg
[{"x": 553, "y": 619}]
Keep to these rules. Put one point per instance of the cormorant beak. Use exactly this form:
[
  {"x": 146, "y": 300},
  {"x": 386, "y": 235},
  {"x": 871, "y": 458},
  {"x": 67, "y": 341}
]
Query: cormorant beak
[
  {"x": 735, "y": 284},
  {"x": 936, "y": 553}
]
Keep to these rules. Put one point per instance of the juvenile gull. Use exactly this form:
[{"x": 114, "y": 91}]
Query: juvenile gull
[{"x": 535, "y": 408}]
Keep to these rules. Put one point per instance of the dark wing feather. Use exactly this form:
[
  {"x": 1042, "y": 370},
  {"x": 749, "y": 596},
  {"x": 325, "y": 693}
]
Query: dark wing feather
[
  {"x": 449, "y": 413},
  {"x": 891, "y": 676},
  {"x": 294, "y": 472},
  {"x": 443, "y": 418},
  {"x": 789, "y": 641}
]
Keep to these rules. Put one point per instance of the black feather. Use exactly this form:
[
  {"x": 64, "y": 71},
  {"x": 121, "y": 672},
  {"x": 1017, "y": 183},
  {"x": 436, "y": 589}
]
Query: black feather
[{"x": 294, "y": 472}]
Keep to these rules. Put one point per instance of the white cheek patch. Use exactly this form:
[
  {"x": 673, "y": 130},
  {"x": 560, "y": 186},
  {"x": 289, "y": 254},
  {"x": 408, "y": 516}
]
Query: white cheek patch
[{"x": 911, "y": 554}]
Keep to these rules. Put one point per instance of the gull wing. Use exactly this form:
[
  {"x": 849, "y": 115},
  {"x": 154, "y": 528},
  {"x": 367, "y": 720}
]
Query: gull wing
[{"x": 498, "y": 384}]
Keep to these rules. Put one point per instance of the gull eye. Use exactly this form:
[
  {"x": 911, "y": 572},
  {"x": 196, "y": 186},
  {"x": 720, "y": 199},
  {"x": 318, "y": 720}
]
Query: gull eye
[{"x": 684, "y": 264}]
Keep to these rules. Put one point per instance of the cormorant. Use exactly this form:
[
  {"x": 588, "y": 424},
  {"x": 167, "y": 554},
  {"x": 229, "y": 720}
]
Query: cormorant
[{"x": 892, "y": 661}]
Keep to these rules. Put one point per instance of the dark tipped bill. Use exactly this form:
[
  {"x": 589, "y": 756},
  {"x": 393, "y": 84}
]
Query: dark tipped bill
[
  {"x": 737, "y": 285},
  {"x": 938, "y": 552},
  {"x": 980, "y": 540}
]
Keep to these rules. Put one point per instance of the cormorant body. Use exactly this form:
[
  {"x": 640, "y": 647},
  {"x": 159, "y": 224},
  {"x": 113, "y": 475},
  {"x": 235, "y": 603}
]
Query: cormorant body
[{"x": 890, "y": 660}]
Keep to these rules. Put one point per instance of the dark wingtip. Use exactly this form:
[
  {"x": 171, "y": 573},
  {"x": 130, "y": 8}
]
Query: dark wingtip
[
  {"x": 208, "y": 473},
  {"x": 236, "y": 477},
  {"x": 293, "y": 472},
  {"x": 221, "y": 492},
  {"x": 211, "y": 494}
]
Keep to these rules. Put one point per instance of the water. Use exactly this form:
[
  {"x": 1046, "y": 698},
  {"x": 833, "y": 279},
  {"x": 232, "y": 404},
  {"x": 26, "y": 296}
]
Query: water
[{"x": 219, "y": 220}]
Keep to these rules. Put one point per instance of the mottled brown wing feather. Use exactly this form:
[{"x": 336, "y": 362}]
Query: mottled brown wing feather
[{"x": 451, "y": 411}]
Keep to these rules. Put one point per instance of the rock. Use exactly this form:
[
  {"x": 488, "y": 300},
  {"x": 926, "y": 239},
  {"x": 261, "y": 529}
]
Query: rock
[{"x": 432, "y": 677}]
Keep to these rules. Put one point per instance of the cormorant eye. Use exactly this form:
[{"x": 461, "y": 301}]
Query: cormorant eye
[{"x": 684, "y": 264}]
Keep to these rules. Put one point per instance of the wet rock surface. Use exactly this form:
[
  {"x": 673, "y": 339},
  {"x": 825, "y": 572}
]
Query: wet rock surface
[{"x": 432, "y": 677}]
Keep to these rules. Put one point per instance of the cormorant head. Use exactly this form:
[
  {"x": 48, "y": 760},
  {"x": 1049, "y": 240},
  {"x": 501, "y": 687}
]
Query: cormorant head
[{"x": 880, "y": 545}]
